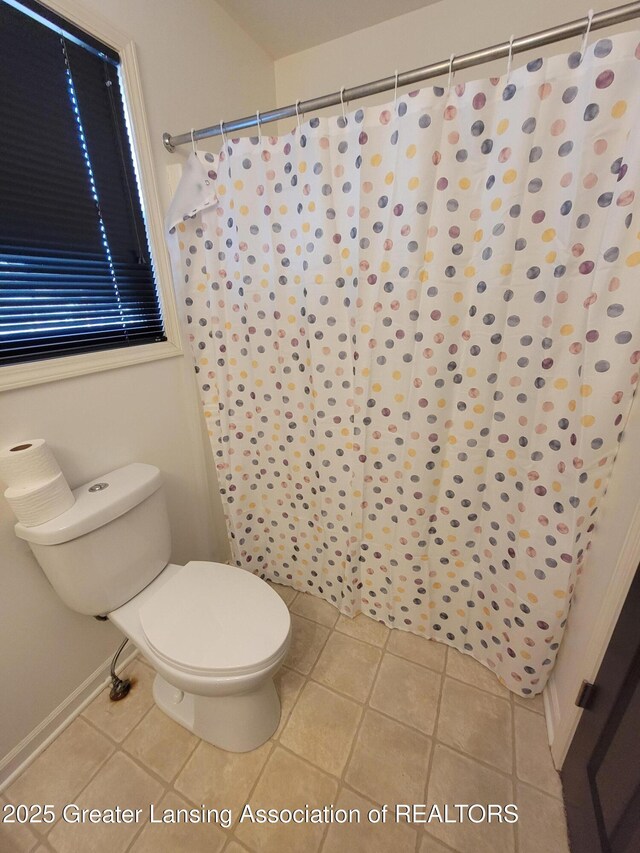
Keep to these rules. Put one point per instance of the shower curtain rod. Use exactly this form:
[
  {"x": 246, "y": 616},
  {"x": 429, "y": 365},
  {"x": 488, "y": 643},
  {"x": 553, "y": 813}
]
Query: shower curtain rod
[{"x": 608, "y": 18}]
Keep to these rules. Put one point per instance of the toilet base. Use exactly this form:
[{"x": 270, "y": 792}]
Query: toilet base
[{"x": 238, "y": 723}]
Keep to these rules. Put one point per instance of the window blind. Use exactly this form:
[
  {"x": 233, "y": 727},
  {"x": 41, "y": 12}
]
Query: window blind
[{"x": 76, "y": 273}]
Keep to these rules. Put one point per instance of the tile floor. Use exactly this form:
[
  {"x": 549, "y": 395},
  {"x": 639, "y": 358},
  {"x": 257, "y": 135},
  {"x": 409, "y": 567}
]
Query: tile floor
[{"x": 369, "y": 716}]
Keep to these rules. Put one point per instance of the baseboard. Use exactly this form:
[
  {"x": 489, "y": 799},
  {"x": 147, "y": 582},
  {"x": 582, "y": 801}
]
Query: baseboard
[
  {"x": 551, "y": 711},
  {"x": 21, "y": 756}
]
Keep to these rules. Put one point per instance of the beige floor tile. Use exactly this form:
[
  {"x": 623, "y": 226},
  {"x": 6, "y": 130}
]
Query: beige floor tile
[
  {"x": 418, "y": 649},
  {"x": 317, "y": 609},
  {"x": 389, "y": 762},
  {"x": 286, "y": 593},
  {"x": 535, "y": 703},
  {"x": 185, "y": 836},
  {"x": 533, "y": 756},
  {"x": 430, "y": 845},
  {"x": 288, "y": 684},
  {"x": 288, "y": 782},
  {"x": 161, "y": 744},
  {"x": 363, "y": 628},
  {"x": 118, "y": 719},
  {"x": 407, "y": 692},
  {"x": 16, "y": 837},
  {"x": 467, "y": 669},
  {"x": 235, "y": 847},
  {"x": 307, "y": 641},
  {"x": 223, "y": 779},
  {"x": 122, "y": 783},
  {"x": 318, "y": 727},
  {"x": 457, "y": 779},
  {"x": 477, "y": 723},
  {"x": 367, "y": 837},
  {"x": 541, "y": 823},
  {"x": 348, "y": 665},
  {"x": 322, "y": 727},
  {"x": 59, "y": 774}
]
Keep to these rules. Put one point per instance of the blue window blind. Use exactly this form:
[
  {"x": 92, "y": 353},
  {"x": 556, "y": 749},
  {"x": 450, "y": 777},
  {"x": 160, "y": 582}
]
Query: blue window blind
[{"x": 76, "y": 274}]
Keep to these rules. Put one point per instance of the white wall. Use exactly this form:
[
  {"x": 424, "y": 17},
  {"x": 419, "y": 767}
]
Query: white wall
[
  {"x": 196, "y": 64},
  {"x": 600, "y": 590},
  {"x": 429, "y": 35},
  {"x": 419, "y": 38}
]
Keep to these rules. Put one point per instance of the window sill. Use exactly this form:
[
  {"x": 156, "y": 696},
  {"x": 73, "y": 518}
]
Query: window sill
[{"x": 53, "y": 369}]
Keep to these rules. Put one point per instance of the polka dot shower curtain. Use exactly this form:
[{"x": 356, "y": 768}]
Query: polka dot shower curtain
[{"x": 415, "y": 334}]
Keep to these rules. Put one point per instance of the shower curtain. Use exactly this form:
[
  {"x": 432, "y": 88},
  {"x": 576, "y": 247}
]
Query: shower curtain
[{"x": 415, "y": 332}]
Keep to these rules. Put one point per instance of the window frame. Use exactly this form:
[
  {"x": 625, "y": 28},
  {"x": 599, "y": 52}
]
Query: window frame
[{"x": 52, "y": 369}]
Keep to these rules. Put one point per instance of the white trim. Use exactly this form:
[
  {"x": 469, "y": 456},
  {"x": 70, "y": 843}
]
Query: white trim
[
  {"x": 88, "y": 19},
  {"x": 48, "y": 370},
  {"x": 130, "y": 73},
  {"x": 551, "y": 710},
  {"x": 30, "y": 747},
  {"x": 52, "y": 369},
  {"x": 621, "y": 577}
]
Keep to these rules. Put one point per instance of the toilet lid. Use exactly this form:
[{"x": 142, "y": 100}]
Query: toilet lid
[{"x": 216, "y": 619}]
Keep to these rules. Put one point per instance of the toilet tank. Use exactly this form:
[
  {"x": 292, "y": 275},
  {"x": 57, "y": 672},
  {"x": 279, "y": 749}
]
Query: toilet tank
[{"x": 110, "y": 545}]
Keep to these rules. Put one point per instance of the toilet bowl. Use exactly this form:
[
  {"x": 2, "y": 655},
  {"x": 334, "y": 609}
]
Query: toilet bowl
[{"x": 214, "y": 634}]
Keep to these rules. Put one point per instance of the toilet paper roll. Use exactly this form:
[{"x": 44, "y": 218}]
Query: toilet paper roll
[
  {"x": 44, "y": 502},
  {"x": 27, "y": 464}
]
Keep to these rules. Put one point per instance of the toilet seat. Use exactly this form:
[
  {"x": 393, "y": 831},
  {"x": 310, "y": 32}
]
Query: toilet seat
[{"x": 217, "y": 620}]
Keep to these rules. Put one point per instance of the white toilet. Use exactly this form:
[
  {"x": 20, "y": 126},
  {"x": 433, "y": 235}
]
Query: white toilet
[{"x": 215, "y": 635}]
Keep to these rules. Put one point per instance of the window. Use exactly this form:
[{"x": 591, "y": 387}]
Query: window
[{"x": 76, "y": 273}]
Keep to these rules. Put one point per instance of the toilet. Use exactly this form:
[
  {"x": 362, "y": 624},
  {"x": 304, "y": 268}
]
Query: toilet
[{"x": 214, "y": 634}]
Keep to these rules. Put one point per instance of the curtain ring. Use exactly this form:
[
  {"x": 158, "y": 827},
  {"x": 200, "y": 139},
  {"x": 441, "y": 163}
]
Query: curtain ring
[
  {"x": 344, "y": 114},
  {"x": 395, "y": 94},
  {"x": 510, "y": 59},
  {"x": 451, "y": 72},
  {"x": 193, "y": 142},
  {"x": 259, "y": 126},
  {"x": 224, "y": 138},
  {"x": 583, "y": 46},
  {"x": 298, "y": 113}
]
